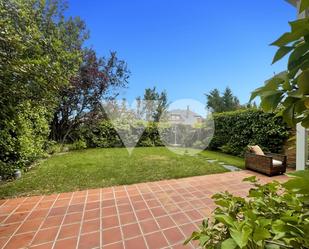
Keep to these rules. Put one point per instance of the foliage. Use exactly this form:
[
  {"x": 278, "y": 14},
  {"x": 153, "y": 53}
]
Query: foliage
[
  {"x": 23, "y": 137},
  {"x": 52, "y": 147},
  {"x": 289, "y": 90},
  {"x": 80, "y": 101},
  {"x": 271, "y": 216},
  {"x": 155, "y": 104},
  {"x": 97, "y": 168},
  {"x": 234, "y": 131},
  {"x": 40, "y": 51},
  {"x": 104, "y": 135},
  {"x": 224, "y": 103},
  {"x": 78, "y": 145}
]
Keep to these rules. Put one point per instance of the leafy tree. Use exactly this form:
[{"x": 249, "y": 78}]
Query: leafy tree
[
  {"x": 81, "y": 100},
  {"x": 289, "y": 90},
  {"x": 224, "y": 103},
  {"x": 40, "y": 51},
  {"x": 155, "y": 104}
]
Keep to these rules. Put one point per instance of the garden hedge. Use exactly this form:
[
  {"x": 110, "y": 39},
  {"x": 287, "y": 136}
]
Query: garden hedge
[{"x": 234, "y": 131}]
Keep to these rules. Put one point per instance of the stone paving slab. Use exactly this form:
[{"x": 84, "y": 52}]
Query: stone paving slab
[{"x": 147, "y": 215}]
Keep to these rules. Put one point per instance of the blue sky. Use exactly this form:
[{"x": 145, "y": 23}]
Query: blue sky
[{"x": 188, "y": 47}]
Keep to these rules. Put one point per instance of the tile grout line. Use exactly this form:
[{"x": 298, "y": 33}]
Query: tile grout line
[
  {"x": 49, "y": 210},
  {"x": 61, "y": 224},
  {"x": 151, "y": 212},
  {"x": 10, "y": 238},
  {"x": 101, "y": 218},
  {"x": 13, "y": 211},
  {"x": 82, "y": 220},
  {"x": 178, "y": 226},
  {"x": 138, "y": 222},
  {"x": 118, "y": 217}
]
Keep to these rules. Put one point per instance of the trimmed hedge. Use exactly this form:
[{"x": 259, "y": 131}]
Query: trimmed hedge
[
  {"x": 234, "y": 131},
  {"x": 104, "y": 135}
]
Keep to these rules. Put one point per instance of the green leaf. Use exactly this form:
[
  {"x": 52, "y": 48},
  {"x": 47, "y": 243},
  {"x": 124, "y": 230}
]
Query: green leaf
[
  {"x": 303, "y": 82},
  {"x": 282, "y": 51},
  {"x": 270, "y": 100},
  {"x": 298, "y": 52},
  {"x": 261, "y": 234},
  {"x": 241, "y": 237},
  {"x": 303, "y": 5},
  {"x": 289, "y": 37},
  {"x": 228, "y": 244},
  {"x": 256, "y": 93},
  {"x": 288, "y": 115},
  {"x": 227, "y": 220},
  {"x": 204, "y": 239}
]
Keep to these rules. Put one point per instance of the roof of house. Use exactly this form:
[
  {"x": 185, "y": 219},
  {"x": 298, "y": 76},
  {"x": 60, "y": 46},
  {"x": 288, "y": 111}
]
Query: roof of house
[{"x": 186, "y": 115}]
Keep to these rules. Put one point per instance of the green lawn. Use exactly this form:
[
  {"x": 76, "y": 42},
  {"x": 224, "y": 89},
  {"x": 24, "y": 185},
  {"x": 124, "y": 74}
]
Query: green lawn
[
  {"x": 95, "y": 168},
  {"x": 228, "y": 159}
]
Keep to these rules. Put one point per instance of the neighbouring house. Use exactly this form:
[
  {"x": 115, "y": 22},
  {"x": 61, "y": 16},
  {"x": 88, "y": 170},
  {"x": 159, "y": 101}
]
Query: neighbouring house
[{"x": 186, "y": 117}]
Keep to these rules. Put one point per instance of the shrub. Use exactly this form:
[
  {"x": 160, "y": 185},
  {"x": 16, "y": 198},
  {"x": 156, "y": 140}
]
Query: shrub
[
  {"x": 273, "y": 216},
  {"x": 52, "y": 147},
  {"x": 104, "y": 135},
  {"x": 22, "y": 139},
  {"x": 234, "y": 131},
  {"x": 78, "y": 145}
]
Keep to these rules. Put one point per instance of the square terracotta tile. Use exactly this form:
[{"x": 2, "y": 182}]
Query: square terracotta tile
[
  {"x": 135, "y": 243},
  {"x": 165, "y": 222},
  {"x": 41, "y": 213},
  {"x": 149, "y": 226},
  {"x": 91, "y": 226},
  {"x": 156, "y": 240},
  {"x": 174, "y": 235},
  {"x": 57, "y": 211},
  {"x": 139, "y": 205},
  {"x": 45, "y": 235},
  {"x": 66, "y": 243},
  {"x": 20, "y": 241},
  {"x": 180, "y": 218},
  {"x": 127, "y": 218},
  {"x": 72, "y": 218},
  {"x": 110, "y": 221},
  {"x": 194, "y": 215},
  {"x": 52, "y": 222},
  {"x": 108, "y": 203},
  {"x": 92, "y": 214},
  {"x": 111, "y": 236},
  {"x": 188, "y": 229},
  {"x": 90, "y": 240},
  {"x": 143, "y": 214},
  {"x": 69, "y": 231},
  {"x": 7, "y": 230},
  {"x": 158, "y": 211},
  {"x": 16, "y": 217},
  {"x": 92, "y": 205},
  {"x": 76, "y": 208},
  {"x": 131, "y": 230},
  {"x": 24, "y": 208},
  {"x": 30, "y": 226},
  {"x": 125, "y": 209},
  {"x": 108, "y": 211}
]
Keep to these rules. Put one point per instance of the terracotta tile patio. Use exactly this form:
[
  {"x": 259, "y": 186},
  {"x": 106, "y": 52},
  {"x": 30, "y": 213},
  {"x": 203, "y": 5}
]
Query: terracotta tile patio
[{"x": 147, "y": 215}]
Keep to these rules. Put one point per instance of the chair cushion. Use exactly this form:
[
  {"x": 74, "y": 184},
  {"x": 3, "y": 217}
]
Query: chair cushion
[
  {"x": 277, "y": 162},
  {"x": 256, "y": 150}
]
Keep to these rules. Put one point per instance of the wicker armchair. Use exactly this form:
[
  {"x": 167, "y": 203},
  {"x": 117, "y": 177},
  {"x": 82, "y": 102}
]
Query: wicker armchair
[{"x": 265, "y": 164}]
